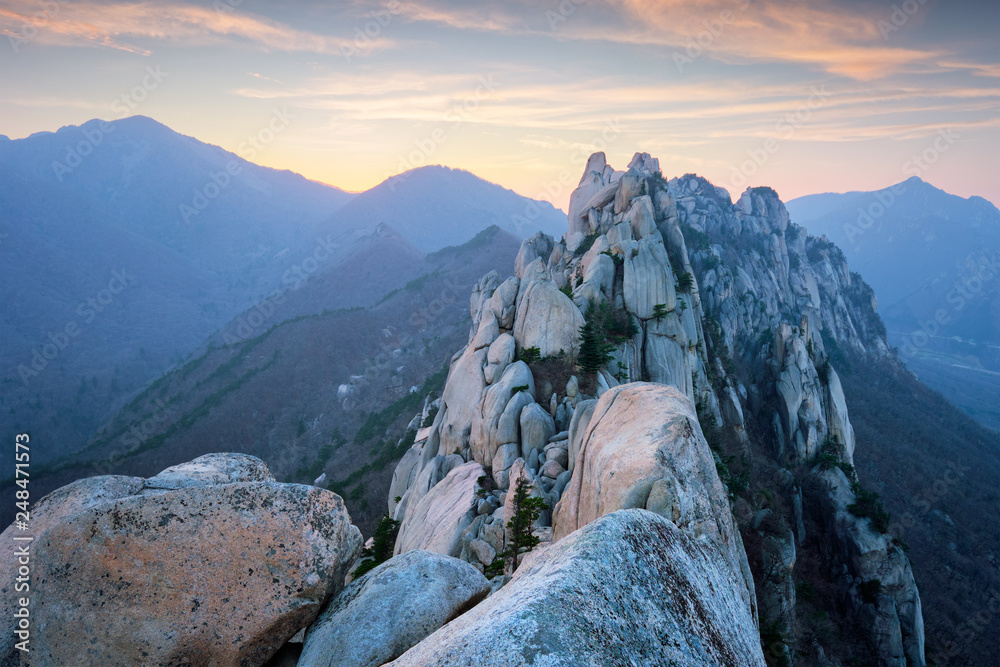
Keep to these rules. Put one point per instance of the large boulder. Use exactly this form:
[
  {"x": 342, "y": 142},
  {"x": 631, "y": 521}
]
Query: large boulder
[
  {"x": 378, "y": 617},
  {"x": 546, "y": 318},
  {"x": 484, "y": 439},
  {"x": 460, "y": 400},
  {"x": 629, "y": 589},
  {"x": 644, "y": 448},
  {"x": 48, "y": 512},
  {"x": 649, "y": 280},
  {"x": 436, "y": 521},
  {"x": 187, "y": 570}
]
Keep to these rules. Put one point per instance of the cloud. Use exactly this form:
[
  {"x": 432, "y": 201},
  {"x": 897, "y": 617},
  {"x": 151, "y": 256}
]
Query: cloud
[
  {"x": 120, "y": 25},
  {"x": 819, "y": 35}
]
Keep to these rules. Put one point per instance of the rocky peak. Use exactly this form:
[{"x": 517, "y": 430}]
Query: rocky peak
[{"x": 732, "y": 309}]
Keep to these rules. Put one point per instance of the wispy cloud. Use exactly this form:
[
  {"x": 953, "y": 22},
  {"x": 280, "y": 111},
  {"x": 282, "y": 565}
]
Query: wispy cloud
[
  {"x": 818, "y": 34},
  {"x": 121, "y": 25}
]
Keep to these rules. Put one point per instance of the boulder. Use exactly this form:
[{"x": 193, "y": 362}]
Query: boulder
[
  {"x": 436, "y": 521},
  {"x": 644, "y": 448},
  {"x": 198, "y": 573},
  {"x": 403, "y": 476},
  {"x": 378, "y": 617},
  {"x": 484, "y": 441},
  {"x": 223, "y": 468},
  {"x": 629, "y": 589},
  {"x": 547, "y": 319},
  {"x": 649, "y": 280},
  {"x": 460, "y": 400},
  {"x": 502, "y": 302},
  {"x": 537, "y": 426},
  {"x": 538, "y": 247},
  {"x": 509, "y": 424},
  {"x": 67, "y": 501},
  {"x": 499, "y": 356}
]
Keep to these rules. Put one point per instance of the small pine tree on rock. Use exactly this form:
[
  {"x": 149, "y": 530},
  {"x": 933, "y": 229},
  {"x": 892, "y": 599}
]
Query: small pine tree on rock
[
  {"x": 527, "y": 509},
  {"x": 382, "y": 546},
  {"x": 594, "y": 351}
]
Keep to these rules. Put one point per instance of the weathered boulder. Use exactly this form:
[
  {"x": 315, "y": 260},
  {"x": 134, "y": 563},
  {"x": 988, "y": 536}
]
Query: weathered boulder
[
  {"x": 629, "y": 589},
  {"x": 484, "y": 439},
  {"x": 644, "y": 448},
  {"x": 502, "y": 302},
  {"x": 649, "y": 280},
  {"x": 436, "y": 521},
  {"x": 546, "y": 318},
  {"x": 403, "y": 476},
  {"x": 382, "y": 614},
  {"x": 424, "y": 479},
  {"x": 67, "y": 501},
  {"x": 499, "y": 356},
  {"x": 537, "y": 426},
  {"x": 223, "y": 468},
  {"x": 196, "y": 573},
  {"x": 537, "y": 247},
  {"x": 460, "y": 400}
]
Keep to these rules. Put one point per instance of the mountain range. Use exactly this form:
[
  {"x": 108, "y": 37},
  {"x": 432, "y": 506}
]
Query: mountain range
[
  {"x": 125, "y": 245},
  {"x": 933, "y": 260},
  {"x": 743, "y": 407}
]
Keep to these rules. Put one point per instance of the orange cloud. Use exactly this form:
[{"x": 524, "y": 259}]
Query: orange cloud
[
  {"x": 108, "y": 25},
  {"x": 812, "y": 33}
]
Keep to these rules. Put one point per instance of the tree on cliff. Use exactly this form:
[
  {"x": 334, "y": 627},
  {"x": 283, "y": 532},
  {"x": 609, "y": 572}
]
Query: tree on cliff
[{"x": 527, "y": 509}]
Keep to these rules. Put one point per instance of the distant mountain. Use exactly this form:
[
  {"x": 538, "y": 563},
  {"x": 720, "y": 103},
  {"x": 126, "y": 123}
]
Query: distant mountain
[
  {"x": 322, "y": 381},
  {"x": 434, "y": 207},
  {"x": 208, "y": 205},
  {"x": 933, "y": 260},
  {"x": 107, "y": 279},
  {"x": 125, "y": 246}
]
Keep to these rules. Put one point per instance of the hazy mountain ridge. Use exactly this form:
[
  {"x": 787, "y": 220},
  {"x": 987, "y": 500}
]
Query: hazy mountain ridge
[
  {"x": 435, "y": 206},
  {"x": 202, "y": 234},
  {"x": 934, "y": 262},
  {"x": 312, "y": 369}
]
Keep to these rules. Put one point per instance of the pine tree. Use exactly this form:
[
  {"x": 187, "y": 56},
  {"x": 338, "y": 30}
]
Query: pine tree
[
  {"x": 593, "y": 348},
  {"x": 527, "y": 509},
  {"x": 382, "y": 546}
]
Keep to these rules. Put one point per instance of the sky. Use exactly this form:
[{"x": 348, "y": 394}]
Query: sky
[{"x": 803, "y": 96}]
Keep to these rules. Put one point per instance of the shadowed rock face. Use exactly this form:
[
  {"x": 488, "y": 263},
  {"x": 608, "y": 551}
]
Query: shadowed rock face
[
  {"x": 378, "y": 617},
  {"x": 202, "y": 573},
  {"x": 628, "y": 589}
]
